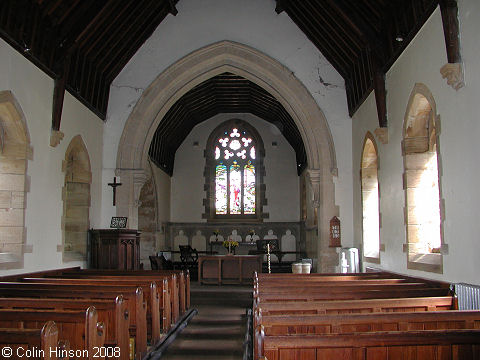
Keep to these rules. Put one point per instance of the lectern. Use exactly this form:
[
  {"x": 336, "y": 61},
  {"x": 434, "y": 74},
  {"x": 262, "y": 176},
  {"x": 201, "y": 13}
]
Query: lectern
[{"x": 114, "y": 249}]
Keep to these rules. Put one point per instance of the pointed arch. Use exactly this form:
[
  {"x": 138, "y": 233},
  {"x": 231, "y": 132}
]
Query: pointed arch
[
  {"x": 15, "y": 150},
  {"x": 370, "y": 200},
  {"x": 422, "y": 182},
  {"x": 255, "y": 66},
  {"x": 76, "y": 200}
]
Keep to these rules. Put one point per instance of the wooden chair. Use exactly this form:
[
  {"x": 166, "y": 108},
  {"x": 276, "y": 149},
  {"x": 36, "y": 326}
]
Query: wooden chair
[{"x": 189, "y": 259}]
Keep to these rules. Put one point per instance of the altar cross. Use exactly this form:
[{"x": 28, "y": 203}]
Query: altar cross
[{"x": 114, "y": 186}]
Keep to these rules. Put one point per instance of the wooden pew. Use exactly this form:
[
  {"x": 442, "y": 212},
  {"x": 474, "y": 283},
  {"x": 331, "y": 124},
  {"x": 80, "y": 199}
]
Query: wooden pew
[
  {"x": 364, "y": 306},
  {"x": 183, "y": 284},
  {"x": 37, "y": 341},
  {"x": 179, "y": 283},
  {"x": 134, "y": 298},
  {"x": 156, "y": 309},
  {"x": 80, "y": 328},
  {"x": 345, "y": 294},
  {"x": 341, "y": 324},
  {"x": 410, "y": 345},
  {"x": 114, "y": 315}
]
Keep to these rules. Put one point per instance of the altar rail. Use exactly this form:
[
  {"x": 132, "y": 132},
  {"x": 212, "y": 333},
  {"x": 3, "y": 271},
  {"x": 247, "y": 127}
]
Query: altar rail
[{"x": 191, "y": 230}]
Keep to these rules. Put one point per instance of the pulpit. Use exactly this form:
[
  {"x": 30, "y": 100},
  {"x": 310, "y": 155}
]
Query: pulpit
[{"x": 114, "y": 249}]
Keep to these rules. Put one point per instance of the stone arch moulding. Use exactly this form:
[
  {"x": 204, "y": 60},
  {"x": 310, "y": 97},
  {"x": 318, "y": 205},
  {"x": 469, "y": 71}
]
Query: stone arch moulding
[
  {"x": 14, "y": 155},
  {"x": 76, "y": 201},
  {"x": 207, "y": 62},
  {"x": 418, "y": 92}
]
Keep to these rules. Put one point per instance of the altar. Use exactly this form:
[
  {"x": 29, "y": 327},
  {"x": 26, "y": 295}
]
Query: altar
[{"x": 228, "y": 269}]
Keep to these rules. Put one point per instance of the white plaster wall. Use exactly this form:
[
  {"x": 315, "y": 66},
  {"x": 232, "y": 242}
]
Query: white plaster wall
[
  {"x": 256, "y": 24},
  {"x": 44, "y": 207},
  {"x": 281, "y": 179},
  {"x": 460, "y": 130}
]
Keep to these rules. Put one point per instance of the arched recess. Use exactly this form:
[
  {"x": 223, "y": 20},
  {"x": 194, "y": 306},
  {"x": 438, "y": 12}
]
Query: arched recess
[
  {"x": 15, "y": 150},
  {"x": 76, "y": 200},
  {"x": 253, "y": 65},
  {"x": 370, "y": 200},
  {"x": 148, "y": 218},
  {"x": 423, "y": 210}
]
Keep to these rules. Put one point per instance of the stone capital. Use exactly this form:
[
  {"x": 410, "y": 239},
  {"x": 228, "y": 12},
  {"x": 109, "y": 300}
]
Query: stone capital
[
  {"x": 382, "y": 134},
  {"x": 454, "y": 75},
  {"x": 55, "y": 137}
]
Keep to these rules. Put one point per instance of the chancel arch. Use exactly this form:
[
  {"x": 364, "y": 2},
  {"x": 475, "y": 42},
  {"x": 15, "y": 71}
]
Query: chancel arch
[
  {"x": 423, "y": 213},
  {"x": 255, "y": 66},
  {"x": 14, "y": 152},
  {"x": 76, "y": 200}
]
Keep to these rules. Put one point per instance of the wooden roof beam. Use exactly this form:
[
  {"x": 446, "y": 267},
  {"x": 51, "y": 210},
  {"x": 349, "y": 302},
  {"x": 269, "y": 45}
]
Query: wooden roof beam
[
  {"x": 173, "y": 9},
  {"x": 449, "y": 11},
  {"x": 358, "y": 25},
  {"x": 280, "y": 7}
]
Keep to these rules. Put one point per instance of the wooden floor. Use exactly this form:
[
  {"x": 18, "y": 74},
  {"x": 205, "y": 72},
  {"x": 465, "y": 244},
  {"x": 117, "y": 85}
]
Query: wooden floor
[{"x": 218, "y": 330}]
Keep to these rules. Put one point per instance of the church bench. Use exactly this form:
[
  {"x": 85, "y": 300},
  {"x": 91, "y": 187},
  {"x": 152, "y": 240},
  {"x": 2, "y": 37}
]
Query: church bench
[
  {"x": 114, "y": 314},
  {"x": 266, "y": 279},
  {"x": 284, "y": 279},
  {"x": 80, "y": 328},
  {"x": 343, "y": 294},
  {"x": 37, "y": 341},
  {"x": 408, "y": 345},
  {"x": 348, "y": 287},
  {"x": 169, "y": 294},
  {"x": 333, "y": 276},
  {"x": 354, "y": 306},
  {"x": 134, "y": 298},
  {"x": 180, "y": 285},
  {"x": 349, "y": 323},
  {"x": 159, "y": 298}
]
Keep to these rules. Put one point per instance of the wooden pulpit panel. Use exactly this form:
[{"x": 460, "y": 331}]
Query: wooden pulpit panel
[{"x": 114, "y": 249}]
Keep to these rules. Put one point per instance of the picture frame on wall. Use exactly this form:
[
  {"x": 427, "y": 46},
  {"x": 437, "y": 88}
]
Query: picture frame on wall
[{"x": 118, "y": 222}]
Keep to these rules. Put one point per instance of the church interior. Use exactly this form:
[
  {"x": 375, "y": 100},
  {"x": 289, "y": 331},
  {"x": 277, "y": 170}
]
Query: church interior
[{"x": 319, "y": 132}]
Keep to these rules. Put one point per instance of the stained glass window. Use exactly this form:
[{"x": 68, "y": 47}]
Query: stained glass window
[
  {"x": 249, "y": 189},
  {"x": 221, "y": 189},
  {"x": 235, "y": 177}
]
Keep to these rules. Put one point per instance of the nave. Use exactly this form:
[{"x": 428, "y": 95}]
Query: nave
[{"x": 149, "y": 315}]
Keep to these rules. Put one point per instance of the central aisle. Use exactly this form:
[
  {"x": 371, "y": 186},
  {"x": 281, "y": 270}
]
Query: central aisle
[{"x": 218, "y": 330}]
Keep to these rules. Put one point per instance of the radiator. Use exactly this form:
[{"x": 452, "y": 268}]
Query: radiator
[{"x": 468, "y": 296}]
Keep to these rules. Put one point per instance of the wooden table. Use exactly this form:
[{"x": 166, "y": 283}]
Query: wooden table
[{"x": 228, "y": 269}]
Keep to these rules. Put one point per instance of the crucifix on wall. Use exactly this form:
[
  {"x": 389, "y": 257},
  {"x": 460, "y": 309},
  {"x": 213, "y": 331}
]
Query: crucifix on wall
[{"x": 114, "y": 186}]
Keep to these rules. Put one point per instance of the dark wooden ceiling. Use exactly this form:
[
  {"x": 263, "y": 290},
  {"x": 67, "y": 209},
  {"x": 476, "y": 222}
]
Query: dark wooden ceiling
[
  {"x": 84, "y": 44},
  {"x": 360, "y": 38},
  {"x": 86, "y": 41},
  {"x": 225, "y": 93}
]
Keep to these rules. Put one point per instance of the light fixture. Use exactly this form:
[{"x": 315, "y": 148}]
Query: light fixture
[{"x": 399, "y": 38}]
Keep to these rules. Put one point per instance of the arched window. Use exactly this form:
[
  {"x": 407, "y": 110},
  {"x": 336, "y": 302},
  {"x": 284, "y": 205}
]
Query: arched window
[
  {"x": 234, "y": 172},
  {"x": 15, "y": 151},
  {"x": 76, "y": 200},
  {"x": 370, "y": 201},
  {"x": 422, "y": 195}
]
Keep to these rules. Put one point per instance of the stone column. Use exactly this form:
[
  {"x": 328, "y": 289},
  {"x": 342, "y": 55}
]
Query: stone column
[
  {"x": 128, "y": 194},
  {"x": 323, "y": 190}
]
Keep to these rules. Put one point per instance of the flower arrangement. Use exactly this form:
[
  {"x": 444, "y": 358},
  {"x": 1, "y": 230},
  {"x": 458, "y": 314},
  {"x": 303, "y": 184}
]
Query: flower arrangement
[
  {"x": 229, "y": 245},
  {"x": 216, "y": 232}
]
